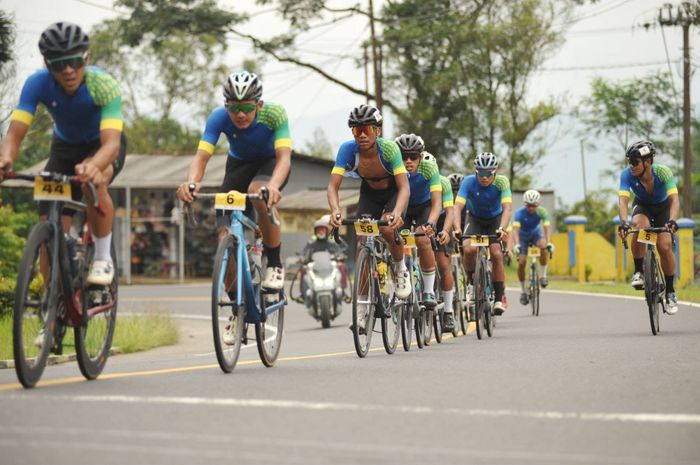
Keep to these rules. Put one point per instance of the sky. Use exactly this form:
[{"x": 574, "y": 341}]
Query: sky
[{"x": 604, "y": 39}]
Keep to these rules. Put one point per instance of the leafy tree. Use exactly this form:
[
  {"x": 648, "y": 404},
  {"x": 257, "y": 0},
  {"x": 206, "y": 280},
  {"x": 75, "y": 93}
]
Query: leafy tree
[
  {"x": 319, "y": 146},
  {"x": 14, "y": 227},
  {"x": 599, "y": 209},
  {"x": 7, "y": 38},
  {"x": 165, "y": 135},
  {"x": 7, "y": 68}
]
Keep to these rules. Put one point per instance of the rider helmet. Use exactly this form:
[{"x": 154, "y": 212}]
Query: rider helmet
[
  {"x": 365, "y": 115},
  {"x": 410, "y": 143},
  {"x": 486, "y": 161},
  {"x": 531, "y": 197},
  {"x": 321, "y": 227},
  {"x": 427, "y": 156},
  {"x": 243, "y": 86},
  {"x": 63, "y": 38},
  {"x": 641, "y": 149},
  {"x": 455, "y": 180}
]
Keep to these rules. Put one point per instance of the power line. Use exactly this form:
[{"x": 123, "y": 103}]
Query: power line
[{"x": 595, "y": 67}]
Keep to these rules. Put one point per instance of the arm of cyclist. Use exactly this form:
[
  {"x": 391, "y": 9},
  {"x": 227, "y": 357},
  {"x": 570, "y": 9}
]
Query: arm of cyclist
[
  {"x": 10, "y": 145},
  {"x": 194, "y": 176},
  {"x": 674, "y": 212},
  {"x": 334, "y": 200},
  {"x": 435, "y": 209},
  {"x": 456, "y": 219},
  {"x": 91, "y": 170},
  {"x": 401, "y": 200},
  {"x": 444, "y": 235},
  {"x": 623, "y": 207},
  {"x": 279, "y": 174},
  {"x": 505, "y": 219}
]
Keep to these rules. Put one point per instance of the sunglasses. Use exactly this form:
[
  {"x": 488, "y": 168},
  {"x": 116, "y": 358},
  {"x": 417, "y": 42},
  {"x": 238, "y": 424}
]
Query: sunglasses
[
  {"x": 367, "y": 130},
  {"x": 244, "y": 107},
  {"x": 410, "y": 156},
  {"x": 634, "y": 161},
  {"x": 59, "y": 64},
  {"x": 484, "y": 174}
]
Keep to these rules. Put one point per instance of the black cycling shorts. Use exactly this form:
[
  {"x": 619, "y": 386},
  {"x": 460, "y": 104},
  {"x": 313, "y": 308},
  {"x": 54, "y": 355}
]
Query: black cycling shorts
[
  {"x": 375, "y": 202},
  {"x": 417, "y": 215},
  {"x": 239, "y": 175},
  {"x": 483, "y": 226},
  {"x": 658, "y": 213},
  {"x": 64, "y": 156}
]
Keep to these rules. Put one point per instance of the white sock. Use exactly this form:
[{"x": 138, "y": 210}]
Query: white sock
[
  {"x": 399, "y": 266},
  {"x": 522, "y": 285},
  {"x": 428, "y": 281},
  {"x": 447, "y": 297},
  {"x": 543, "y": 270},
  {"x": 102, "y": 247}
]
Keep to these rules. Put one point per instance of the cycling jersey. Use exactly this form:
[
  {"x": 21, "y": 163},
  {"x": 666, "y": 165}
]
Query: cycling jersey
[
  {"x": 447, "y": 196},
  {"x": 484, "y": 202},
  {"x": 80, "y": 117},
  {"x": 348, "y": 159},
  {"x": 268, "y": 132},
  {"x": 664, "y": 185},
  {"x": 530, "y": 222},
  {"x": 425, "y": 180}
]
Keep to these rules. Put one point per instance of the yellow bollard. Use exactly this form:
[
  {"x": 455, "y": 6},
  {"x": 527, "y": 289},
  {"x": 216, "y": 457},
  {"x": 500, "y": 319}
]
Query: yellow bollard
[
  {"x": 684, "y": 252},
  {"x": 620, "y": 255},
  {"x": 576, "y": 227}
]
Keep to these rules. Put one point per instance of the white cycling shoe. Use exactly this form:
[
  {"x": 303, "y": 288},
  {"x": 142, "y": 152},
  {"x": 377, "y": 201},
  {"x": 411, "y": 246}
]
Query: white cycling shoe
[
  {"x": 637, "y": 281},
  {"x": 101, "y": 272},
  {"x": 403, "y": 284},
  {"x": 274, "y": 278}
]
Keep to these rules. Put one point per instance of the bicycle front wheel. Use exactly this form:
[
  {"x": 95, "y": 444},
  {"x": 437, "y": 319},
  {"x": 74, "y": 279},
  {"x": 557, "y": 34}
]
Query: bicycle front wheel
[
  {"x": 534, "y": 290},
  {"x": 268, "y": 335},
  {"x": 363, "y": 303},
  {"x": 481, "y": 301},
  {"x": 460, "y": 302},
  {"x": 651, "y": 289},
  {"x": 407, "y": 322},
  {"x": 34, "y": 313},
  {"x": 93, "y": 339},
  {"x": 227, "y": 312}
]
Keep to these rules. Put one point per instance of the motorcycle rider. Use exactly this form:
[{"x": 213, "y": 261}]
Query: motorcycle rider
[{"x": 320, "y": 243}]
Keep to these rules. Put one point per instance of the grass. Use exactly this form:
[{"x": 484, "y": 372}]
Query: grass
[{"x": 133, "y": 333}]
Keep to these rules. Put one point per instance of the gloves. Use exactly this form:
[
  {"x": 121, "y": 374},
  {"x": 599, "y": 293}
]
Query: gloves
[
  {"x": 672, "y": 225},
  {"x": 550, "y": 247},
  {"x": 516, "y": 249},
  {"x": 623, "y": 230}
]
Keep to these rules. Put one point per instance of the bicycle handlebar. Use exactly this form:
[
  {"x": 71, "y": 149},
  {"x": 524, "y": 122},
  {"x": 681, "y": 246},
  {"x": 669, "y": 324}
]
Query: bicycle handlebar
[
  {"x": 264, "y": 196},
  {"x": 352, "y": 221},
  {"x": 651, "y": 229},
  {"x": 58, "y": 177}
]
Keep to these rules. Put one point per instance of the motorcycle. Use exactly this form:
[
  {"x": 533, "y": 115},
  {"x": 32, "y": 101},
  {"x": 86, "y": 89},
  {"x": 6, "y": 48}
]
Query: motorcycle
[{"x": 322, "y": 292}]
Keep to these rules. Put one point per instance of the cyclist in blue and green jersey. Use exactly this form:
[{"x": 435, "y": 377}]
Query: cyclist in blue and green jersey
[
  {"x": 259, "y": 157},
  {"x": 384, "y": 190},
  {"x": 85, "y": 104},
  {"x": 487, "y": 198},
  {"x": 532, "y": 226},
  {"x": 424, "y": 205},
  {"x": 656, "y": 204},
  {"x": 455, "y": 182},
  {"x": 444, "y": 253}
]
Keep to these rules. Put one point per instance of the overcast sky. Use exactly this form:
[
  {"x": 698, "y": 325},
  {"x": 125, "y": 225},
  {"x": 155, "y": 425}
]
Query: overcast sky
[{"x": 605, "y": 39}]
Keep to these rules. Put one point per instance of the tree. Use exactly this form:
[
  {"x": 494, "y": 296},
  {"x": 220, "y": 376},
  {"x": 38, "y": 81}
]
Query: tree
[
  {"x": 7, "y": 68},
  {"x": 319, "y": 146},
  {"x": 599, "y": 210}
]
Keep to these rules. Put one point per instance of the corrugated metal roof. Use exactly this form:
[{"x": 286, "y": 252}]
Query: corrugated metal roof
[{"x": 316, "y": 199}]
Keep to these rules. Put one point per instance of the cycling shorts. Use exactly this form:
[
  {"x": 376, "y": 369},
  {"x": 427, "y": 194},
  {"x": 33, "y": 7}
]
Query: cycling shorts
[
  {"x": 527, "y": 238},
  {"x": 449, "y": 247},
  {"x": 482, "y": 226},
  {"x": 417, "y": 215},
  {"x": 377, "y": 202},
  {"x": 658, "y": 214}
]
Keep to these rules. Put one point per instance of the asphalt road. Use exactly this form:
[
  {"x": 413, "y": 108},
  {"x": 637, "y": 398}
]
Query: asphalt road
[{"x": 583, "y": 383}]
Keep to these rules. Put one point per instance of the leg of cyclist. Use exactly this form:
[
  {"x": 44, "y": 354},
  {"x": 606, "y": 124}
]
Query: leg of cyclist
[
  {"x": 542, "y": 244},
  {"x": 444, "y": 263},
  {"x": 522, "y": 260},
  {"x": 499, "y": 278},
  {"x": 272, "y": 241},
  {"x": 668, "y": 265},
  {"x": 426, "y": 259},
  {"x": 639, "y": 220}
]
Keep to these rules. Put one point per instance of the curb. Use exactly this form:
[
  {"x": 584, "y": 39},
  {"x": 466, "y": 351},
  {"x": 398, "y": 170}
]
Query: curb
[{"x": 56, "y": 359}]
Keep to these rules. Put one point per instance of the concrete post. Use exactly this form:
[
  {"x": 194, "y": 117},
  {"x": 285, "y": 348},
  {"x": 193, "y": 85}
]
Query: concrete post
[
  {"x": 684, "y": 252},
  {"x": 576, "y": 227}
]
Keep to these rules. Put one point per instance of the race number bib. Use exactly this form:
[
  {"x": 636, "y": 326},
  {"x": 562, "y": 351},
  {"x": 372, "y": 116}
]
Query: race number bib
[
  {"x": 47, "y": 190},
  {"x": 367, "y": 229},
  {"x": 230, "y": 201},
  {"x": 647, "y": 237},
  {"x": 533, "y": 251},
  {"x": 479, "y": 241},
  {"x": 409, "y": 240}
]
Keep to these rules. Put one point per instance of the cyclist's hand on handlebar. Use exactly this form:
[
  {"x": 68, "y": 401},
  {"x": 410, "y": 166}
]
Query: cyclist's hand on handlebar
[
  {"x": 671, "y": 225},
  {"x": 429, "y": 229},
  {"x": 88, "y": 172},
  {"x": 185, "y": 194},
  {"x": 516, "y": 249},
  {"x": 395, "y": 220},
  {"x": 274, "y": 195},
  {"x": 336, "y": 219},
  {"x": 550, "y": 247},
  {"x": 457, "y": 234},
  {"x": 443, "y": 237},
  {"x": 623, "y": 230},
  {"x": 502, "y": 234},
  {"x": 5, "y": 165}
]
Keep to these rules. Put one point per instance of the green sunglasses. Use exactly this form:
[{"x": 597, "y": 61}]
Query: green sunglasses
[
  {"x": 59, "y": 64},
  {"x": 244, "y": 107}
]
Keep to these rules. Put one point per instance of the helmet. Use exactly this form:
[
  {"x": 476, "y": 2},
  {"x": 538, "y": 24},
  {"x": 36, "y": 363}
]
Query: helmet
[
  {"x": 324, "y": 222},
  {"x": 486, "y": 161},
  {"x": 365, "y": 115},
  {"x": 427, "y": 156},
  {"x": 455, "y": 180},
  {"x": 642, "y": 149},
  {"x": 531, "y": 197},
  {"x": 243, "y": 86},
  {"x": 63, "y": 38},
  {"x": 410, "y": 143}
]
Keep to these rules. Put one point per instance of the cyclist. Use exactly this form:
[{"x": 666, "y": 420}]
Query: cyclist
[
  {"x": 656, "y": 204},
  {"x": 85, "y": 104},
  {"x": 384, "y": 190},
  {"x": 443, "y": 256},
  {"x": 455, "y": 182},
  {"x": 526, "y": 224},
  {"x": 259, "y": 157},
  {"x": 424, "y": 205},
  {"x": 487, "y": 197}
]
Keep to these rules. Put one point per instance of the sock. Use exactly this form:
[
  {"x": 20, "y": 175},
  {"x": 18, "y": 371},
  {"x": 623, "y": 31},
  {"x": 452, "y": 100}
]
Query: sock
[
  {"x": 669, "y": 283},
  {"x": 102, "y": 247},
  {"x": 638, "y": 265},
  {"x": 470, "y": 277},
  {"x": 399, "y": 265},
  {"x": 428, "y": 281},
  {"x": 273, "y": 256},
  {"x": 498, "y": 287},
  {"x": 543, "y": 270},
  {"x": 447, "y": 298},
  {"x": 522, "y": 286}
]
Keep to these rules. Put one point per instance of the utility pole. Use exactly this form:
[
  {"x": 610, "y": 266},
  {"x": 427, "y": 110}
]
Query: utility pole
[
  {"x": 375, "y": 60},
  {"x": 685, "y": 15},
  {"x": 583, "y": 171},
  {"x": 366, "y": 60}
]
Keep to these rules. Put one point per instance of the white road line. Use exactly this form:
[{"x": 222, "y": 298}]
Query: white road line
[
  {"x": 601, "y": 294},
  {"x": 663, "y": 418}
]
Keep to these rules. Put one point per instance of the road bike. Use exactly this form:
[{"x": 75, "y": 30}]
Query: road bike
[
  {"x": 534, "y": 287},
  {"x": 416, "y": 313},
  {"x": 237, "y": 297},
  {"x": 52, "y": 293},
  {"x": 460, "y": 303}
]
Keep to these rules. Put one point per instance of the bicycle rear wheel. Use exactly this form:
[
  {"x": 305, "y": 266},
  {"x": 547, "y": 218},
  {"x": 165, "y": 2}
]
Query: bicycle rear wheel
[
  {"x": 391, "y": 328},
  {"x": 269, "y": 336},
  {"x": 534, "y": 289},
  {"x": 227, "y": 316},
  {"x": 651, "y": 289},
  {"x": 93, "y": 338},
  {"x": 407, "y": 322},
  {"x": 34, "y": 313},
  {"x": 460, "y": 303},
  {"x": 481, "y": 302},
  {"x": 362, "y": 303}
]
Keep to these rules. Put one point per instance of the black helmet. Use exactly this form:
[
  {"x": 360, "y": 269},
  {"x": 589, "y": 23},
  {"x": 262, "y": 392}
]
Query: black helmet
[
  {"x": 410, "y": 143},
  {"x": 365, "y": 115},
  {"x": 455, "y": 180},
  {"x": 243, "y": 86},
  {"x": 63, "y": 38},
  {"x": 641, "y": 149}
]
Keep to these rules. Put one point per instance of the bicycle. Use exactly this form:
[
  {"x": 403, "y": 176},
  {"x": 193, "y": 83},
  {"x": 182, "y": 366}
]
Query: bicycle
[
  {"x": 534, "y": 288},
  {"x": 52, "y": 293},
  {"x": 460, "y": 303},
  {"x": 654, "y": 281},
  {"x": 416, "y": 314},
  {"x": 483, "y": 284},
  {"x": 373, "y": 287},
  {"x": 438, "y": 313},
  {"x": 237, "y": 297}
]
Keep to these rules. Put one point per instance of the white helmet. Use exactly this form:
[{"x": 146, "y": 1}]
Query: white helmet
[
  {"x": 531, "y": 197},
  {"x": 427, "y": 156},
  {"x": 486, "y": 161},
  {"x": 323, "y": 222},
  {"x": 243, "y": 86}
]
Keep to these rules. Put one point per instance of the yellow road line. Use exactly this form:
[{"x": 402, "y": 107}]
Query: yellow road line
[
  {"x": 165, "y": 299},
  {"x": 132, "y": 374}
]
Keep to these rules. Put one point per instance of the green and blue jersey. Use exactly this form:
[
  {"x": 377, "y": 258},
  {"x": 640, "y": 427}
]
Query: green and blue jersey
[
  {"x": 348, "y": 158},
  {"x": 664, "y": 185},
  {"x": 425, "y": 180},
  {"x": 484, "y": 202}
]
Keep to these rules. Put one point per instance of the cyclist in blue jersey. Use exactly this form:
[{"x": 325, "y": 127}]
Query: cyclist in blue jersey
[
  {"x": 424, "y": 205},
  {"x": 526, "y": 225},
  {"x": 259, "y": 157},
  {"x": 85, "y": 104},
  {"x": 384, "y": 190},
  {"x": 656, "y": 204},
  {"x": 487, "y": 198}
]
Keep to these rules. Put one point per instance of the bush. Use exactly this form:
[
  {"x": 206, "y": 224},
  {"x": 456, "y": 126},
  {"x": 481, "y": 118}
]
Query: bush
[{"x": 14, "y": 228}]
